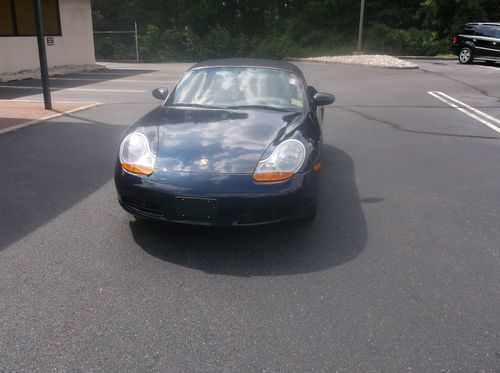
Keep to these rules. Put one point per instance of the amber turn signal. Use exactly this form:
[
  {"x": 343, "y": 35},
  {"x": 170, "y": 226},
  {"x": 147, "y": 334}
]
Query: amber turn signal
[
  {"x": 272, "y": 176},
  {"x": 137, "y": 169}
]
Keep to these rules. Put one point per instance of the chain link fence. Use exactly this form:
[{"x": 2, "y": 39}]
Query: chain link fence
[{"x": 117, "y": 45}]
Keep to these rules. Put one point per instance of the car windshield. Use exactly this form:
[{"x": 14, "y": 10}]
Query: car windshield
[{"x": 240, "y": 87}]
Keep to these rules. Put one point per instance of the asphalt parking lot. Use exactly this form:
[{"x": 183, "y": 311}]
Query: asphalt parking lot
[{"x": 399, "y": 271}]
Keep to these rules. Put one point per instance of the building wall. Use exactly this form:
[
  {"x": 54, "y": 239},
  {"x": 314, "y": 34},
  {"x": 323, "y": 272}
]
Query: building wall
[{"x": 74, "y": 47}]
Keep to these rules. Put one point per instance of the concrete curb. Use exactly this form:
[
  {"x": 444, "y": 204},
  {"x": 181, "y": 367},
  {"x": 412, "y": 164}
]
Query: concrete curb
[
  {"x": 52, "y": 116},
  {"x": 450, "y": 58},
  {"x": 296, "y": 59}
]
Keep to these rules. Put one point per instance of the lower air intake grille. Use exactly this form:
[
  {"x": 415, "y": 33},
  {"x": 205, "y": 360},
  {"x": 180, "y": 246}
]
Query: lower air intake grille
[
  {"x": 250, "y": 216},
  {"x": 144, "y": 208}
]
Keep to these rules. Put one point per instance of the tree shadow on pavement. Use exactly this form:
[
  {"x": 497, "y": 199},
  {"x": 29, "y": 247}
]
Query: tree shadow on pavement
[
  {"x": 16, "y": 89},
  {"x": 338, "y": 234},
  {"x": 48, "y": 168}
]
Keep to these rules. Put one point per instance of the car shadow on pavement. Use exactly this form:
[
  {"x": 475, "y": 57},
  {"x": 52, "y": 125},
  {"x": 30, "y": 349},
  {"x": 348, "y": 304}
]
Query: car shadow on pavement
[{"x": 337, "y": 235}]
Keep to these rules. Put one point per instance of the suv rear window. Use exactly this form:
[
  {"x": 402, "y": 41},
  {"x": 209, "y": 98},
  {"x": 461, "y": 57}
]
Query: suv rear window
[
  {"x": 488, "y": 31},
  {"x": 468, "y": 30}
]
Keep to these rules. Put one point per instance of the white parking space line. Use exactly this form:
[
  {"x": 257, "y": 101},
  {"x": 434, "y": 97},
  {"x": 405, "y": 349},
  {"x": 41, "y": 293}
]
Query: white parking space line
[
  {"x": 38, "y": 101},
  {"x": 467, "y": 110},
  {"x": 157, "y": 71},
  {"x": 113, "y": 80},
  {"x": 130, "y": 74},
  {"x": 79, "y": 89},
  {"x": 497, "y": 69}
]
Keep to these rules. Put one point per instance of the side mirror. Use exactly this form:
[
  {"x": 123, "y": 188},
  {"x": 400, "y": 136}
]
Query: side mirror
[
  {"x": 322, "y": 99},
  {"x": 160, "y": 93}
]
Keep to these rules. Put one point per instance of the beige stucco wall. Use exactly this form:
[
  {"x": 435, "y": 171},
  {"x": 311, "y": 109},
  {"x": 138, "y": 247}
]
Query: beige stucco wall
[{"x": 74, "y": 47}]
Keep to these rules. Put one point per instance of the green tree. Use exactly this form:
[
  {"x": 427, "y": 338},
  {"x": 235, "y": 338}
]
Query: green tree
[{"x": 197, "y": 29}]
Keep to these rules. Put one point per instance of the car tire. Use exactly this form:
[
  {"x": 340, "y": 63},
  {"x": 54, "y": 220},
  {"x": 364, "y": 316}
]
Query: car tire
[{"x": 465, "y": 56}]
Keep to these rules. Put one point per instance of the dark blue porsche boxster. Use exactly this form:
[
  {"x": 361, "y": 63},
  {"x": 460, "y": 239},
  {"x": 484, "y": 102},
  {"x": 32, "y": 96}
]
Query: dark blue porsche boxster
[{"x": 236, "y": 142}]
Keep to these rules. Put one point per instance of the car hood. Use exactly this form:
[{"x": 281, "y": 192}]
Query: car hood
[{"x": 217, "y": 141}]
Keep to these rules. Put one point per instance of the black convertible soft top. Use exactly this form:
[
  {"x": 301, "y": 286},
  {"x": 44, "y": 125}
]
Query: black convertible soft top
[{"x": 249, "y": 62}]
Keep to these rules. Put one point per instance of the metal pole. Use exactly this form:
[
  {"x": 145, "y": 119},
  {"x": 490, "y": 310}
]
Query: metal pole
[
  {"x": 361, "y": 19},
  {"x": 42, "y": 54},
  {"x": 136, "y": 43}
]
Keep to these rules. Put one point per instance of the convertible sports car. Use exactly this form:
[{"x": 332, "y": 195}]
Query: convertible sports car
[{"x": 236, "y": 142}]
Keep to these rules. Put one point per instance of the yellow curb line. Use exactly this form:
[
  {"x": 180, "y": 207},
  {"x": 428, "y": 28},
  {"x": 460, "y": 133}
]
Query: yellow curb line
[{"x": 26, "y": 124}]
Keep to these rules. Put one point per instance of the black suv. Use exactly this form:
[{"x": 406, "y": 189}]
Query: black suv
[{"x": 477, "y": 41}]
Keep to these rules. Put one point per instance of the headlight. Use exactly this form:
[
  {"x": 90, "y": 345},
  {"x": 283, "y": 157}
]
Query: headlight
[
  {"x": 285, "y": 161},
  {"x": 136, "y": 155}
]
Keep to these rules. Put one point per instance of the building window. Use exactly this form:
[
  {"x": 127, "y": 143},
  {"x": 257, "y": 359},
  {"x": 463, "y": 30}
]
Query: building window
[
  {"x": 6, "y": 21},
  {"x": 17, "y": 18}
]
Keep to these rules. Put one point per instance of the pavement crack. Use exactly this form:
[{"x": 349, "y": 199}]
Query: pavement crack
[
  {"x": 398, "y": 127},
  {"x": 442, "y": 75}
]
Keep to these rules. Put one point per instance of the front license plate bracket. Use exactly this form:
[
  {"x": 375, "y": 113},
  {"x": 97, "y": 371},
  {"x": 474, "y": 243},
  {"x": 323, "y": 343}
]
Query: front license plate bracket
[{"x": 197, "y": 209}]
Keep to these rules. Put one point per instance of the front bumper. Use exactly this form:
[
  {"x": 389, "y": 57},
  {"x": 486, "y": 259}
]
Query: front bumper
[{"x": 237, "y": 199}]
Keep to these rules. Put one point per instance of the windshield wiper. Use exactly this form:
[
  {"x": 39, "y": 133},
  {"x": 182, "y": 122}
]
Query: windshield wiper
[
  {"x": 196, "y": 105},
  {"x": 259, "y": 107}
]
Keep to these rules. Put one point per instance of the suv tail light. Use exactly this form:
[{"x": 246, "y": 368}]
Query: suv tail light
[{"x": 454, "y": 40}]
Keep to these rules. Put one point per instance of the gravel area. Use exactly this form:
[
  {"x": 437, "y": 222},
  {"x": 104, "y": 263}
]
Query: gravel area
[{"x": 374, "y": 60}]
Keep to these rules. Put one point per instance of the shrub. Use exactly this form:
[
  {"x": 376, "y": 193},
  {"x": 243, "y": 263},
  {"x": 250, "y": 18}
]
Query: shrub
[
  {"x": 219, "y": 43},
  {"x": 383, "y": 39}
]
